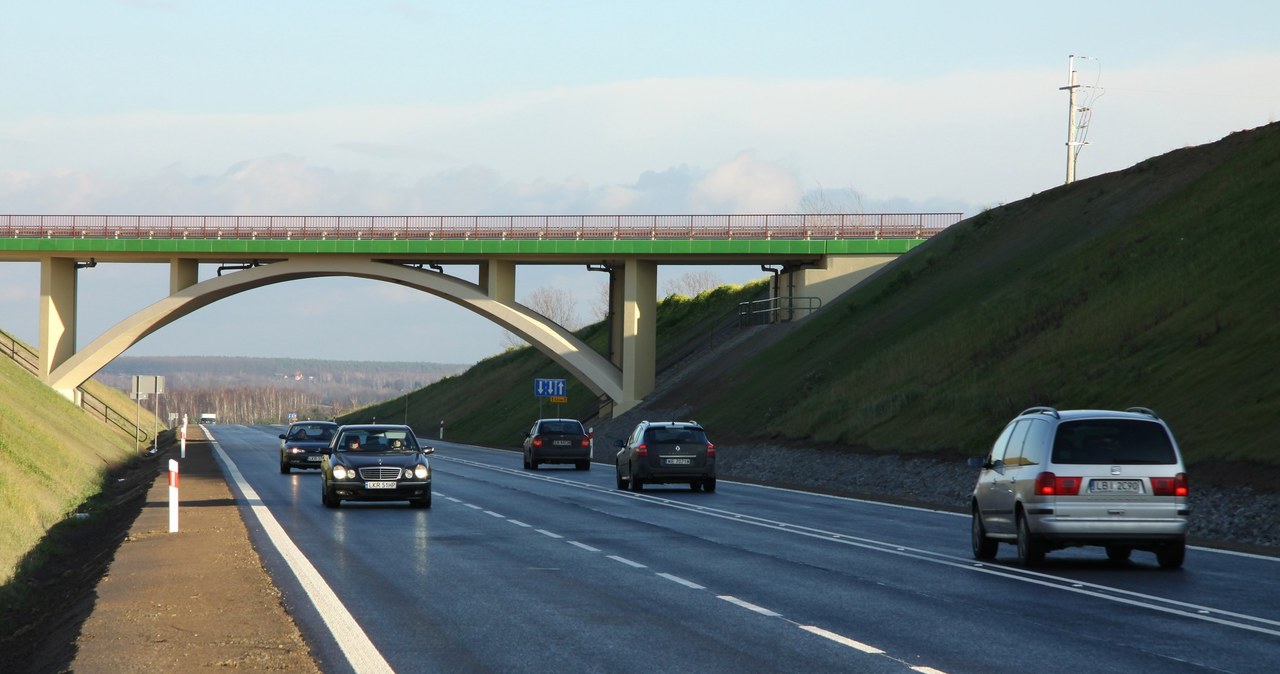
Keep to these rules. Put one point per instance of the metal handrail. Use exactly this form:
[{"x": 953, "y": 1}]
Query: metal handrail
[
  {"x": 481, "y": 227},
  {"x": 769, "y": 310},
  {"x": 29, "y": 359}
]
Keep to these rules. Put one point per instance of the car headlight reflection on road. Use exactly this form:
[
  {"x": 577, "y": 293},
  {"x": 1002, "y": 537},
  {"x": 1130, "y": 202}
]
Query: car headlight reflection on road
[{"x": 422, "y": 472}]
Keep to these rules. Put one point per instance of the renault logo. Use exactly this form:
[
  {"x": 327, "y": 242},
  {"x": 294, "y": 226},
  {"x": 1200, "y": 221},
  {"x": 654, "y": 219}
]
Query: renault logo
[{"x": 677, "y": 448}]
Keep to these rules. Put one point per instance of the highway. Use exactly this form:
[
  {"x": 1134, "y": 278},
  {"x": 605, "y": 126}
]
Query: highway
[{"x": 556, "y": 570}]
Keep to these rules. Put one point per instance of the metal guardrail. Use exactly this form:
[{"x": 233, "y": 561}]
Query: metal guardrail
[
  {"x": 481, "y": 227},
  {"x": 29, "y": 359},
  {"x": 776, "y": 310}
]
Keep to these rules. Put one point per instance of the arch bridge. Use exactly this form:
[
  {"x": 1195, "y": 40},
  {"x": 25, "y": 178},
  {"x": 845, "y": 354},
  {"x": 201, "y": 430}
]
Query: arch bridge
[{"x": 810, "y": 255}]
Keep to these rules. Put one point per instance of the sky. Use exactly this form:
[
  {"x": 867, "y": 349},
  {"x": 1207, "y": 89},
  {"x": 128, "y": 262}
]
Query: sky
[{"x": 327, "y": 107}]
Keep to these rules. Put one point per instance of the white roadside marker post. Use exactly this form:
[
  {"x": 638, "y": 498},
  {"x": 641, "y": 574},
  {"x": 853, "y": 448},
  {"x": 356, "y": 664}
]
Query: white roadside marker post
[{"x": 173, "y": 496}]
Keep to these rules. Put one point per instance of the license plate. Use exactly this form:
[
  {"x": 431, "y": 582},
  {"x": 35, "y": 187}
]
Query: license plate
[
  {"x": 1111, "y": 486},
  {"x": 679, "y": 462},
  {"x": 380, "y": 485},
  {"x": 317, "y": 459},
  {"x": 561, "y": 443}
]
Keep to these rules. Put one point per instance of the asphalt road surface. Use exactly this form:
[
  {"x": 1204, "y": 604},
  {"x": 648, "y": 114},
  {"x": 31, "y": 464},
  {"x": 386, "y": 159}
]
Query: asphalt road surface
[{"x": 556, "y": 570}]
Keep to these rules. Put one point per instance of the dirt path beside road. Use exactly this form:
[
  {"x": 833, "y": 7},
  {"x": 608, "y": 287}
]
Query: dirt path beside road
[{"x": 192, "y": 600}]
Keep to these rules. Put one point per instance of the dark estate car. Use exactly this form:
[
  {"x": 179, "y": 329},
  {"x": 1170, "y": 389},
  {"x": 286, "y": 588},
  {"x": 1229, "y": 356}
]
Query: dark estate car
[
  {"x": 304, "y": 444},
  {"x": 557, "y": 441},
  {"x": 659, "y": 452},
  {"x": 376, "y": 463}
]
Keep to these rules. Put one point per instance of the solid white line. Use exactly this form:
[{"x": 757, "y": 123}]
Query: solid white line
[
  {"x": 842, "y": 640},
  {"x": 678, "y": 579},
  {"x": 749, "y": 606},
  {"x": 355, "y": 644},
  {"x": 624, "y": 560},
  {"x": 584, "y": 546}
]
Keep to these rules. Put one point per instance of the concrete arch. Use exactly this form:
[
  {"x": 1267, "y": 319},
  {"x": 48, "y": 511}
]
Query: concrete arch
[{"x": 593, "y": 369}]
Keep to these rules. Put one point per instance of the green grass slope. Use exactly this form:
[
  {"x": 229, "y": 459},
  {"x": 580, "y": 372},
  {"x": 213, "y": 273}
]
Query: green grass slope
[
  {"x": 493, "y": 403},
  {"x": 53, "y": 459},
  {"x": 1156, "y": 286}
]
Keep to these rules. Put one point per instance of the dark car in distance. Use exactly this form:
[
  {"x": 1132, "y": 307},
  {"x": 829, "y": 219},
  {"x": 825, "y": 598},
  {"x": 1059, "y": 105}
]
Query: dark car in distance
[
  {"x": 304, "y": 444},
  {"x": 557, "y": 441},
  {"x": 376, "y": 462},
  {"x": 666, "y": 452}
]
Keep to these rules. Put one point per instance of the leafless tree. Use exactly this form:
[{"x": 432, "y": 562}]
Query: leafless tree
[
  {"x": 691, "y": 284},
  {"x": 557, "y": 304}
]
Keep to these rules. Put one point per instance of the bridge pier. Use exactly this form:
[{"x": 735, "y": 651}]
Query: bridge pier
[
  {"x": 57, "y": 314},
  {"x": 825, "y": 280},
  {"x": 639, "y": 331}
]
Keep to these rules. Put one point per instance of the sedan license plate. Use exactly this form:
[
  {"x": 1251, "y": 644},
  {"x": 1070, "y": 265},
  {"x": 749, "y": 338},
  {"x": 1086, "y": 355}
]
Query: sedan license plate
[
  {"x": 380, "y": 485},
  {"x": 679, "y": 462},
  {"x": 561, "y": 443},
  {"x": 316, "y": 458},
  {"x": 1116, "y": 486}
]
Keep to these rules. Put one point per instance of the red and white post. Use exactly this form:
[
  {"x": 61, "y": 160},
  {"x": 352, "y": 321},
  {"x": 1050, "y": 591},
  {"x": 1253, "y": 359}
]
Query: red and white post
[{"x": 173, "y": 496}]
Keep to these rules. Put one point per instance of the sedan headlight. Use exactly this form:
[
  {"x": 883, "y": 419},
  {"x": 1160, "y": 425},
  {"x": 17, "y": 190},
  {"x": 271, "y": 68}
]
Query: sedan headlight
[
  {"x": 422, "y": 472},
  {"x": 341, "y": 472}
]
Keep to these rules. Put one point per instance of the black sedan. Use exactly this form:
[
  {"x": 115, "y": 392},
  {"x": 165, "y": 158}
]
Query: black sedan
[
  {"x": 376, "y": 463},
  {"x": 304, "y": 444}
]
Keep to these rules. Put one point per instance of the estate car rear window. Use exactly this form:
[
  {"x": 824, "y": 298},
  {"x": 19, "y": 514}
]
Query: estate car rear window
[
  {"x": 1112, "y": 441},
  {"x": 565, "y": 427},
  {"x": 675, "y": 436}
]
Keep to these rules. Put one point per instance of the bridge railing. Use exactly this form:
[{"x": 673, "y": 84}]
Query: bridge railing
[{"x": 481, "y": 227}]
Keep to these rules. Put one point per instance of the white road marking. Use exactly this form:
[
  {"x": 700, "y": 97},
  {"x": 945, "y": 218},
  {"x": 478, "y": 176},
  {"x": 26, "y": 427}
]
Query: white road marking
[
  {"x": 584, "y": 546},
  {"x": 749, "y": 606},
  {"x": 497, "y": 515},
  {"x": 624, "y": 560},
  {"x": 678, "y": 579},
  {"x": 843, "y": 640},
  {"x": 520, "y": 524},
  {"x": 549, "y": 534},
  {"x": 354, "y": 643}
]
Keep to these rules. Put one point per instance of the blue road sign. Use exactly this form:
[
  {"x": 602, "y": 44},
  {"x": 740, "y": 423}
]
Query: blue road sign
[{"x": 545, "y": 388}]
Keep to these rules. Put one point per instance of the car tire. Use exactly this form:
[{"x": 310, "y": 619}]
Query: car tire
[
  {"x": 1030, "y": 550},
  {"x": 635, "y": 483},
  {"x": 1171, "y": 555},
  {"x": 285, "y": 468},
  {"x": 1119, "y": 553},
  {"x": 622, "y": 484},
  {"x": 583, "y": 465},
  {"x": 984, "y": 547},
  {"x": 709, "y": 484},
  {"x": 533, "y": 463},
  {"x": 695, "y": 485},
  {"x": 326, "y": 499}
]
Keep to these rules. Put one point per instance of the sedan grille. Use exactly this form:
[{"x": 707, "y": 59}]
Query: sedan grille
[{"x": 380, "y": 473}]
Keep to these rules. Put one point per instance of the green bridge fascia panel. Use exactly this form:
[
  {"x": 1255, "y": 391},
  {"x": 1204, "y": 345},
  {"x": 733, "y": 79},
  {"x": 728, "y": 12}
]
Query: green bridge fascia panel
[{"x": 694, "y": 247}]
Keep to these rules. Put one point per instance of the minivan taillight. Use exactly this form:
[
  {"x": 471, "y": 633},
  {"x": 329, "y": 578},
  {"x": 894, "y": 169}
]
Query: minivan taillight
[
  {"x": 711, "y": 449},
  {"x": 1170, "y": 486},
  {"x": 1048, "y": 484},
  {"x": 642, "y": 450}
]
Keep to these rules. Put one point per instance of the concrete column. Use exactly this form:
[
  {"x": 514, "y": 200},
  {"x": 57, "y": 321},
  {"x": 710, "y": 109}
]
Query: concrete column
[
  {"x": 615, "y": 316},
  {"x": 57, "y": 313},
  {"x": 639, "y": 331},
  {"x": 498, "y": 280},
  {"x": 183, "y": 273}
]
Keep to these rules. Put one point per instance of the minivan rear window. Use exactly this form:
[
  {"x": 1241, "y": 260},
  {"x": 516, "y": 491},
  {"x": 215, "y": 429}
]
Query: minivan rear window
[
  {"x": 663, "y": 435},
  {"x": 1112, "y": 441}
]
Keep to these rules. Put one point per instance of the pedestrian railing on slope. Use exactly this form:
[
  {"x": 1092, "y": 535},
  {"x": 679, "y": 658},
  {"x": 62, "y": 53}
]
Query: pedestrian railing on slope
[
  {"x": 776, "y": 310},
  {"x": 30, "y": 361}
]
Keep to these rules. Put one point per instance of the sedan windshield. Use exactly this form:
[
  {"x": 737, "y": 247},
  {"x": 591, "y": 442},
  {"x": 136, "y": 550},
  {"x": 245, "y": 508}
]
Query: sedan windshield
[{"x": 386, "y": 441}]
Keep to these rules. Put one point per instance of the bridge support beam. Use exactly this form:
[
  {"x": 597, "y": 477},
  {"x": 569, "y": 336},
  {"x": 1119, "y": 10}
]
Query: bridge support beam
[
  {"x": 827, "y": 280},
  {"x": 183, "y": 273},
  {"x": 498, "y": 280},
  {"x": 639, "y": 331},
  {"x": 57, "y": 314}
]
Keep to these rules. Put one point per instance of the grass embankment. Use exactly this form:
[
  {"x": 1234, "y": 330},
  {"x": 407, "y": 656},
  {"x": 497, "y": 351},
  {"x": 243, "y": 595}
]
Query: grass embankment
[
  {"x": 493, "y": 402},
  {"x": 53, "y": 460},
  {"x": 1157, "y": 286}
]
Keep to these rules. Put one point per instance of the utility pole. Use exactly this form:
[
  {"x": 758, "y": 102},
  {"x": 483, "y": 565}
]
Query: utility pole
[{"x": 1074, "y": 124}]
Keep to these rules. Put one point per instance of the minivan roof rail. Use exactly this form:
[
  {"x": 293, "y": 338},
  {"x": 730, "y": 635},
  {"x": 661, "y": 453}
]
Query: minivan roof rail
[
  {"x": 1042, "y": 409},
  {"x": 1144, "y": 410}
]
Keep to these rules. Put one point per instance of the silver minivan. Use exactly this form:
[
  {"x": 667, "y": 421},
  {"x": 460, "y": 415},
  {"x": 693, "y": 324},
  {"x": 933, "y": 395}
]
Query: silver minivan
[{"x": 1057, "y": 479}]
